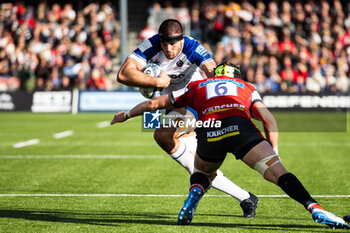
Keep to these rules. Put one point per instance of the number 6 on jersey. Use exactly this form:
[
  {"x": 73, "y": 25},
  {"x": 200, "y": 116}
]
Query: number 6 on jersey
[{"x": 221, "y": 88}]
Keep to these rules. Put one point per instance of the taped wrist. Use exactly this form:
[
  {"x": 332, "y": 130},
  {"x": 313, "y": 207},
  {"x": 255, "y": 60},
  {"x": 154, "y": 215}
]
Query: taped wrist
[{"x": 127, "y": 114}]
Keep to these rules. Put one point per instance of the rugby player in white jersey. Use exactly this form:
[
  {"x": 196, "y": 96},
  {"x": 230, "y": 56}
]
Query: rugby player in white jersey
[{"x": 181, "y": 58}]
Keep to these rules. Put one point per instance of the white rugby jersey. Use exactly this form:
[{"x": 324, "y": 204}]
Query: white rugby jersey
[{"x": 184, "y": 68}]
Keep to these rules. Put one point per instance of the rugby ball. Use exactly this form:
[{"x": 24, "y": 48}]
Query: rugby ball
[{"x": 153, "y": 70}]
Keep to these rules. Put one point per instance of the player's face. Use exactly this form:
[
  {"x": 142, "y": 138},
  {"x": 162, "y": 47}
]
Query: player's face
[{"x": 171, "y": 49}]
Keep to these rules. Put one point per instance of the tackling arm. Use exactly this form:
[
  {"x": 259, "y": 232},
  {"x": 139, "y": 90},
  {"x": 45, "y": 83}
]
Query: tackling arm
[
  {"x": 160, "y": 102},
  {"x": 261, "y": 113},
  {"x": 209, "y": 68},
  {"x": 130, "y": 74}
]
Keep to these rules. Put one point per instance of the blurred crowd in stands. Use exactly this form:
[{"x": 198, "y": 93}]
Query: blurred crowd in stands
[
  {"x": 288, "y": 46},
  {"x": 55, "y": 47}
]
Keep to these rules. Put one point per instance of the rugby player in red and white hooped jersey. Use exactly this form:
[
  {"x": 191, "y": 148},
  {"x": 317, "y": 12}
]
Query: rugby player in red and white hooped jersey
[
  {"x": 233, "y": 102},
  {"x": 182, "y": 59}
]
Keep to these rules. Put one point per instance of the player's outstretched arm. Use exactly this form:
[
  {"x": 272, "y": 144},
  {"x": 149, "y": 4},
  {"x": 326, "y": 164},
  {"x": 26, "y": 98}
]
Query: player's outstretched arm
[
  {"x": 131, "y": 74},
  {"x": 263, "y": 114},
  {"x": 209, "y": 68},
  {"x": 160, "y": 102}
]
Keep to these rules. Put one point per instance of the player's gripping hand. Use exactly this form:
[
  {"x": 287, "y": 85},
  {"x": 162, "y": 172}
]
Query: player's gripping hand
[
  {"x": 163, "y": 80},
  {"x": 120, "y": 117}
]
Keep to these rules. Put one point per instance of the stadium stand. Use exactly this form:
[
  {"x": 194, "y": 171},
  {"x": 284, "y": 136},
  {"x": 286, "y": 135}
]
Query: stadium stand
[{"x": 282, "y": 46}]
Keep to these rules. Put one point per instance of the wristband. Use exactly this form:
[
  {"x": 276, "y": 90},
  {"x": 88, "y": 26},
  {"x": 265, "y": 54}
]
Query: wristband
[
  {"x": 127, "y": 114},
  {"x": 276, "y": 150}
]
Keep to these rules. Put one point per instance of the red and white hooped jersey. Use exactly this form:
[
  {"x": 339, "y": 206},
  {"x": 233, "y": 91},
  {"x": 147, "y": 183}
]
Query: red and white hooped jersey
[{"x": 219, "y": 97}]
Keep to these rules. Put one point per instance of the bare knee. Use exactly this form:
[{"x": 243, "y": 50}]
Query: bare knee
[{"x": 165, "y": 139}]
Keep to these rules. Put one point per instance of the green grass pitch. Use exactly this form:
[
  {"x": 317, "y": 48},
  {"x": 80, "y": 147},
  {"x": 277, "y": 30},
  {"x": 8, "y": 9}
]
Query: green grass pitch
[{"x": 116, "y": 179}]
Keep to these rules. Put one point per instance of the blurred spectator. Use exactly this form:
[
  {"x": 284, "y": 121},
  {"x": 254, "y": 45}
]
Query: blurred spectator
[
  {"x": 342, "y": 82},
  {"x": 55, "y": 79},
  {"x": 71, "y": 69},
  {"x": 147, "y": 32},
  {"x": 39, "y": 84},
  {"x": 65, "y": 84},
  {"x": 315, "y": 81},
  {"x": 330, "y": 80},
  {"x": 273, "y": 19},
  {"x": 183, "y": 15},
  {"x": 286, "y": 45},
  {"x": 42, "y": 70},
  {"x": 231, "y": 42},
  {"x": 273, "y": 77},
  {"x": 287, "y": 64},
  {"x": 96, "y": 80},
  {"x": 196, "y": 27}
]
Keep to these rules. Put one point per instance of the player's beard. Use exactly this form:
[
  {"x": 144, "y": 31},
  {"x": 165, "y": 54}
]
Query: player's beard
[{"x": 170, "y": 54}]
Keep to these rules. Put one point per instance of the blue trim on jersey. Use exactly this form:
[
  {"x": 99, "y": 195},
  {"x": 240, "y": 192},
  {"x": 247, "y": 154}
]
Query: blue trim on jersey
[
  {"x": 151, "y": 51},
  {"x": 194, "y": 51},
  {"x": 194, "y": 112}
]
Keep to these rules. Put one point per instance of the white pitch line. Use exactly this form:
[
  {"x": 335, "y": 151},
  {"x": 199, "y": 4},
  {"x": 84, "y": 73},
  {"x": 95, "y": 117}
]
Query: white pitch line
[
  {"x": 63, "y": 134},
  {"x": 95, "y": 143},
  {"x": 81, "y": 157},
  {"x": 103, "y": 124},
  {"x": 140, "y": 195},
  {"x": 152, "y": 143},
  {"x": 26, "y": 143}
]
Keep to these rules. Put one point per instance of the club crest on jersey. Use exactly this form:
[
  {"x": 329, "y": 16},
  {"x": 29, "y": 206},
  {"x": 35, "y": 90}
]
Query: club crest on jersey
[{"x": 180, "y": 63}]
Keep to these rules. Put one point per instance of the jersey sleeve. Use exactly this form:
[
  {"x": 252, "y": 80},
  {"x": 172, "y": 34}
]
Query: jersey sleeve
[
  {"x": 195, "y": 52},
  {"x": 255, "y": 97},
  {"x": 181, "y": 101},
  {"x": 184, "y": 99},
  {"x": 146, "y": 50}
]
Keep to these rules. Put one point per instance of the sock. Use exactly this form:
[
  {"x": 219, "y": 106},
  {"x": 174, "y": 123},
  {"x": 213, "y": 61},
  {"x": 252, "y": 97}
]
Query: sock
[
  {"x": 314, "y": 206},
  {"x": 184, "y": 156},
  {"x": 290, "y": 184},
  {"x": 225, "y": 185},
  {"x": 201, "y": 181}
]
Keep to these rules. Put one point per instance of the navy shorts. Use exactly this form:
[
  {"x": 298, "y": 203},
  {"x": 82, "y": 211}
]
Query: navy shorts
[{"x": 236, "y": 135}]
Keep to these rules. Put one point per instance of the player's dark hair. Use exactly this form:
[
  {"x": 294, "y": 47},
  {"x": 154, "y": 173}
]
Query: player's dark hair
[{"x": 169, "y": 27}]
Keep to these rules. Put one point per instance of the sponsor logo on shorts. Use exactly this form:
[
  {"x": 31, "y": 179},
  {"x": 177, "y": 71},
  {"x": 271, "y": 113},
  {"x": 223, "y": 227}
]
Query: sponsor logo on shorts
[
  {"x": 217, "y": 135},
  {"x": 221, "y": 108}
]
